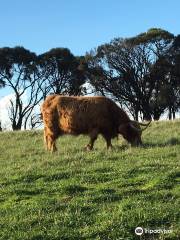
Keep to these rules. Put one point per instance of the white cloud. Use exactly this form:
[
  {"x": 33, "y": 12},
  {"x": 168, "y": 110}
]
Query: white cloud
[{"x": 4, "y": 105}]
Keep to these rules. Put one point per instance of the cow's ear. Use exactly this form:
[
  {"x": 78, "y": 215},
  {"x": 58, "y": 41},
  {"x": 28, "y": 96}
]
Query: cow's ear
[{"x": 122, "y": 129}]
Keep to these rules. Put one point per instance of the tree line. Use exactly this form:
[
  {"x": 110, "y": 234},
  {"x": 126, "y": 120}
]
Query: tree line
[{"x": 142, "y": 74}]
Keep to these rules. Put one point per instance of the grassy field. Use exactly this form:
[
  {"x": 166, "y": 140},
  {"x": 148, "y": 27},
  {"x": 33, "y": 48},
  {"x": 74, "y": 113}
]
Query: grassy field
[{"x": 102, "y": 194}]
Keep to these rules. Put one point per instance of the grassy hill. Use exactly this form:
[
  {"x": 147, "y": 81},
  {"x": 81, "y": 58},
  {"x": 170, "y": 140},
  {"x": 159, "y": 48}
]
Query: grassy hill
[{"x": 102, "y": 194}]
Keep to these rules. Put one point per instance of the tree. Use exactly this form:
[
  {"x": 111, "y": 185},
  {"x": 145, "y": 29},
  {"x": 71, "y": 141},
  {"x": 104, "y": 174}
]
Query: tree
[
  {"x": 18, "y": 72},
  {"x": 35, "y": 121},
  {"x": 173, "y": 74},
  {"x": 127, "y": 70},
  {"x": 62, "y": 71}
]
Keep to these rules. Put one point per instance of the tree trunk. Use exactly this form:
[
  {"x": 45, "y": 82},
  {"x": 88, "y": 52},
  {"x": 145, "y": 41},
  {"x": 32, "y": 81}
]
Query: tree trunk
[
  {"x": 136, "y": 115},
  {"x": 170, "y": 113},
  {"x": 156, "y": 117},
  {"x": 146, "y": 116},
  {"x": 173, "y": 113},
  {"x": 17, "y": 126}
]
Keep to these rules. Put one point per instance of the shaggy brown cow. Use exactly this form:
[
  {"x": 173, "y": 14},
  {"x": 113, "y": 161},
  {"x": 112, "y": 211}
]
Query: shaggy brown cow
[{"x": 87, "y": 115}]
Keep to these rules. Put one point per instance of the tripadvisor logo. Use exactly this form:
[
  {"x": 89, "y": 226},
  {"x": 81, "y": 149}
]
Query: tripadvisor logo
[{"x": 139, "y": 231}]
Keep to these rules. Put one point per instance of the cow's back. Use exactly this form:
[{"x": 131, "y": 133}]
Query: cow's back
[{"x": 80, "y": 115}]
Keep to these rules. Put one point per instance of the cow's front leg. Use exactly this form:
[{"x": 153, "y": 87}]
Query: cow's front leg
[{"x": 108, "y": 141}]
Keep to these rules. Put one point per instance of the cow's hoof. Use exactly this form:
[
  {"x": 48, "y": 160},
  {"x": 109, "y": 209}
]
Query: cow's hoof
[
  {"x": 110, "y": 148},
  {"x": 88, "y": 148}
]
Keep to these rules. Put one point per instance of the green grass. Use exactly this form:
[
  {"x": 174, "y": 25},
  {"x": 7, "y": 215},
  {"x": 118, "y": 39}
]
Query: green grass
[{"x": 102, "y": 194}]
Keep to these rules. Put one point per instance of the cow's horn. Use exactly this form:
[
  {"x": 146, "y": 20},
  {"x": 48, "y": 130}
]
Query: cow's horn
[
  {"x": 142, "y": 124},
  {"x": 136, "y": 129},
  {"x": 145, "y": 124}
]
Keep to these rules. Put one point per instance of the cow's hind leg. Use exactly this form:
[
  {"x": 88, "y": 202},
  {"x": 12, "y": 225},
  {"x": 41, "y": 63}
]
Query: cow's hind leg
[
  {"x": 51, "y": 143},
  {"x": 50, "y": 139},
  {"x": 45, "y": 138},
  {"x": 93, "y": 136}
]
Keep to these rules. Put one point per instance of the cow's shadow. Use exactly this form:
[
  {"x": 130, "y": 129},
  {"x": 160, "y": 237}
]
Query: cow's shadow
[{"x": 169, "y": 142}]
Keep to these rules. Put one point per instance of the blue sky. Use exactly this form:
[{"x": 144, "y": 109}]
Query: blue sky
[{"x": 81, "y": 25}]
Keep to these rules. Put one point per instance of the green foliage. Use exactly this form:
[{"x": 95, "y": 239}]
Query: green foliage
[
  {"x": 25, "y": 74},
  {"x": 102, "y": 194},
  {"x": 63, "y": 71},
  {"x": 9, "y": 57},
  {"x": 138, "y": 72},
  {"x": 153, "y": 35},
  {"x": 18, "y": 72}
]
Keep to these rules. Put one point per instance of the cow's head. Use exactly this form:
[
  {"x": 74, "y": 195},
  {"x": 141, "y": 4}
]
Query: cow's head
[{"x": 132, "y": 132}]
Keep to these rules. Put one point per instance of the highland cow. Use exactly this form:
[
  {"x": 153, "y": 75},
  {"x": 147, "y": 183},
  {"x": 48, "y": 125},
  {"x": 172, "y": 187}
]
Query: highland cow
[{"x": 87, "y": 115}]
